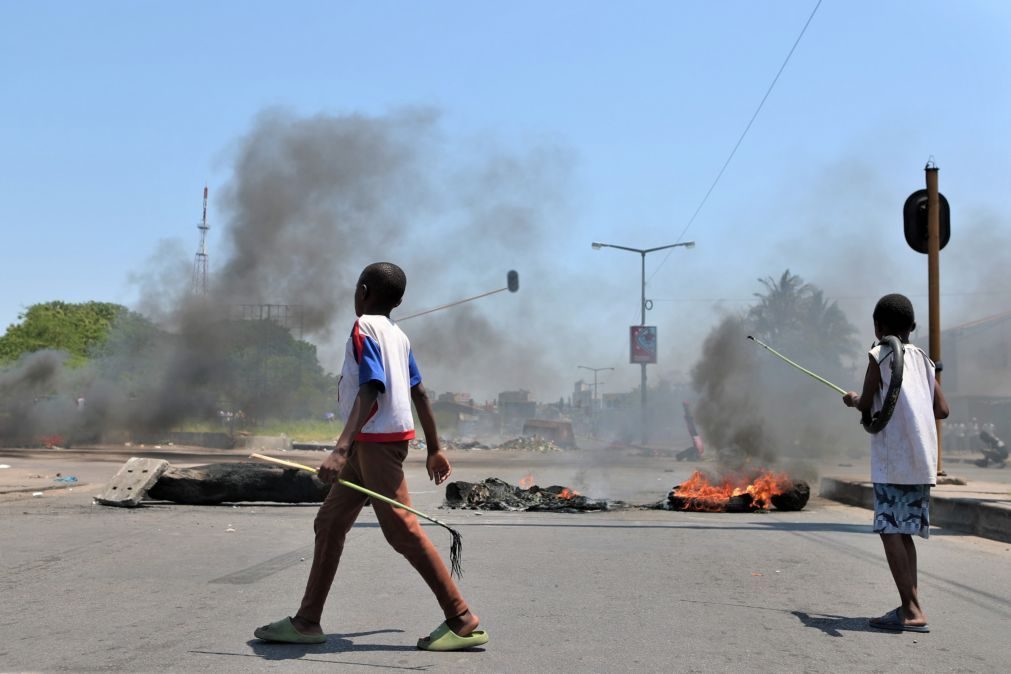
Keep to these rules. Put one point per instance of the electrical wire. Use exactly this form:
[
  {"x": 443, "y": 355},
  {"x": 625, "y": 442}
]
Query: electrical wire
[{"x": 740, "y": 140}]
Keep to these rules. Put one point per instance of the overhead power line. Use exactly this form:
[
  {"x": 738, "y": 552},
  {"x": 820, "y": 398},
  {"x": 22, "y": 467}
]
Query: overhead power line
[
  {"x": 747, "y": 128},
  {"x": 739, "y": 140}
]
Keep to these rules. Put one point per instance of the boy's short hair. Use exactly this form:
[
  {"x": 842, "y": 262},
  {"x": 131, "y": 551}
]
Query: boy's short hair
[
  {"x": 895, "y": 313},
  {"x": 386, "y": 280}
]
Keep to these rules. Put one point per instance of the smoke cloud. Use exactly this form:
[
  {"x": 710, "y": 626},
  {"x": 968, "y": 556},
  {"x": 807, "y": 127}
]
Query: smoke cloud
[
  {"x": 310, "y": 202},
  {"x": 757, "y": 411}
]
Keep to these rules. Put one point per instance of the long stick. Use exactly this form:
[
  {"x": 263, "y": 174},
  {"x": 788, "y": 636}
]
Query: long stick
[
  {"x": 452, "y": 304},
  {"x": 456, "y": 547},
  {"x": 512, "y": 285},
  {"x": 802, "y": 369}
]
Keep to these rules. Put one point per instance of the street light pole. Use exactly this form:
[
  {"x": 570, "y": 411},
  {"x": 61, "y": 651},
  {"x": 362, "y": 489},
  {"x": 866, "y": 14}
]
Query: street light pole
[
  {"x": 593, "y": 400},
  {"x": 594, "y": 370},
  {"x": 642, "y": 305},
  {"x": 642, "y": 366}
]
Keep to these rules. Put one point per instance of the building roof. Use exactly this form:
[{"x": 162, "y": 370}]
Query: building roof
[{"x": 989, "y": 321}]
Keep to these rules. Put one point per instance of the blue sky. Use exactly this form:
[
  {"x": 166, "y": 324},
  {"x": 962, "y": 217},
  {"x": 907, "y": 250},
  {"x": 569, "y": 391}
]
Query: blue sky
[{"x": 116, "y": 113}]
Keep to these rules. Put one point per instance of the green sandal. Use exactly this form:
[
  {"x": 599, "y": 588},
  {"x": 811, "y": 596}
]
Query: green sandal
[
  {"x": 445, "y": 639},
  {"x": 283, "y": 631}
]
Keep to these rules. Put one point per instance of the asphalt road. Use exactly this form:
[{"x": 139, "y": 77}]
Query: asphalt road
[{"x": 170, "y": 588}]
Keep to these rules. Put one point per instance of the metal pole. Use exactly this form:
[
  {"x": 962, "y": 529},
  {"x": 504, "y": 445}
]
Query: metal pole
[
  {"x": 594, "y": 397},
  {"x": 933, "y": 279},
  {"x": 642, "y": 383},
  {"x": 642, "y": 253}
]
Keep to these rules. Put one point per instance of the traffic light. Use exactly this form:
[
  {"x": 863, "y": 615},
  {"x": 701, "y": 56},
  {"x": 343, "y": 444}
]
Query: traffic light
[{"x": 914, "y": 220}]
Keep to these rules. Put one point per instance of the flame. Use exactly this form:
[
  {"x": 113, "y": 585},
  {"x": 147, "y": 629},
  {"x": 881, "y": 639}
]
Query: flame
[
  {"x": 51, "y": 441},
  {"x": 700, "y": 494},
  {"x": 527, "y": 481}
]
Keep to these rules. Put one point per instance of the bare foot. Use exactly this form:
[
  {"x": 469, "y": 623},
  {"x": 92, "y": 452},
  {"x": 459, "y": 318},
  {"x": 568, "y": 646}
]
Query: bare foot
[
  {"x": 898, "y": 619},
  {"x": 914, "y": 617},
  {"x": 306, "y": 627},
  {"x": 463, "y": 624}
]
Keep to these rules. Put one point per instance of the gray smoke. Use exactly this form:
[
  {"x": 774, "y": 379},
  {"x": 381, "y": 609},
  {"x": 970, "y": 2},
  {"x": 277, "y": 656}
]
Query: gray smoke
[
  {"x": 30, "y": 396},
  {"x": 757, "y": 411},
  {"x": 311, "y": 201}
]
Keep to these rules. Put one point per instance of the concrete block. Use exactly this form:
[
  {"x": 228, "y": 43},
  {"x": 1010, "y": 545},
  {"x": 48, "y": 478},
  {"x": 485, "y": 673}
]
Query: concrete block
[{"x": 129, "y": 486}]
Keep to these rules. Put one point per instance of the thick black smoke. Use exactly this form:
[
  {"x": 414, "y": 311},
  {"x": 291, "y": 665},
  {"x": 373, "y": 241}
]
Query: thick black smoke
[
  {"x": 310, "y": 202},
  {"x": 756, "y": 410}
]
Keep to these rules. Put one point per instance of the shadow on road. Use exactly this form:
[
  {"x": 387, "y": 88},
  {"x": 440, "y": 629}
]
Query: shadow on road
[
  {"x": 755, "y": 526},
  {"x": 835, "y": 625},
  {"x": 336, "y": 644},
  {"x": 751, "y": 526}
]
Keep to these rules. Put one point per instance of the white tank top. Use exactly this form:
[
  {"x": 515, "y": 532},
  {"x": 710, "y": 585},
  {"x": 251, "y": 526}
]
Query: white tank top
[{"x": 905, "y": 450}]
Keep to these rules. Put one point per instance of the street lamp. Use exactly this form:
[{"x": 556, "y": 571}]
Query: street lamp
[
  {"x": 594, "y": 370},
  {"x": 643, "y": 252},
  {"x": 593, "y": 400}
]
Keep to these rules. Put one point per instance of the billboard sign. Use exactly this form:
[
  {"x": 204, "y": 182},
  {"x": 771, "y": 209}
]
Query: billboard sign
[{"x": 642, "y": 344}]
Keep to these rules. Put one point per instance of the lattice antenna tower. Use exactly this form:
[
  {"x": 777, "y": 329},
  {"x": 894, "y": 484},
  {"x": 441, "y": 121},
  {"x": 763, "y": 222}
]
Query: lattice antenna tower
[{"x": 200, "y": 261}]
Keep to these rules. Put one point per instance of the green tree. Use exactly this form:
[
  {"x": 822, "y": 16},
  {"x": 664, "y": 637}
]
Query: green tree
[
  {"x": 63, "y": 326},
  {"x": 780, "y": 307},
  {"x": 270, "y": 374},
  {"x": 795, "y": 315}
]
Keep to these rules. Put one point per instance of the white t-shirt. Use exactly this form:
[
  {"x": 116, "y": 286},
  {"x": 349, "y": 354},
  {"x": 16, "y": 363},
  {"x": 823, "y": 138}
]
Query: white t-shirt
[
  {"x": 905, "y": 450},
  {"x": 379, "y": 351}
]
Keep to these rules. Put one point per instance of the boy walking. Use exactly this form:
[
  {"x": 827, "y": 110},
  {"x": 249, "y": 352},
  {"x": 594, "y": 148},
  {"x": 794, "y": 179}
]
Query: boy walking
[
  {"x": 903, "y": 453},
  {"x": 379, "y": 381}
]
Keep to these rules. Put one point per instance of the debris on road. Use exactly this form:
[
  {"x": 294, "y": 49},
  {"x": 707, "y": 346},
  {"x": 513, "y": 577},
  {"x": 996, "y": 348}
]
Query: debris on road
[
  {"x": 530, "y": 443},
  {"x": 496, "y": 494},
  {"x": 218, "y": 483},
  {"x": 129, "y": 486}
]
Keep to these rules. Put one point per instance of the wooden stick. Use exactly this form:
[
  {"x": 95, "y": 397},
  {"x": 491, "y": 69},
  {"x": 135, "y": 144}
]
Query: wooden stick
[
  {"x": 806, "y": 371},
  {"x": 456, "y": 549}
]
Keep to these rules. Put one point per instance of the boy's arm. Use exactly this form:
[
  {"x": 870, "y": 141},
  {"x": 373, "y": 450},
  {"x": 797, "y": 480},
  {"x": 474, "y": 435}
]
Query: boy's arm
[
  {"x": 437, "y": 463},
  {"x": 872, "y": 382},
  {"x": 331, "y": 467},
  {"x": 941, "y": 410}
]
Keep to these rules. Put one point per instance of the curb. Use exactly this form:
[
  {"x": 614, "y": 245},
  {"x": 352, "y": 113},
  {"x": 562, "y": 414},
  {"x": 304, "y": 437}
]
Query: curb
[{"x": 965, "y": 515}]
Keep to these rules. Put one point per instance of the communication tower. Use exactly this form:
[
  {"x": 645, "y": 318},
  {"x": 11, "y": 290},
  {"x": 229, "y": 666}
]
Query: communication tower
[{"x": 200, "y": 261}]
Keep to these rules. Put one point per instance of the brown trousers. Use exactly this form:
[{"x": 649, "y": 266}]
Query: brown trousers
[{"x": 378, "y": 466}]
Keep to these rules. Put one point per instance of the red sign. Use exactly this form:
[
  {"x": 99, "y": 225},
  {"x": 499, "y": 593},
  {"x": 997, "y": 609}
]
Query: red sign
[{"x": 642, "y": 344}]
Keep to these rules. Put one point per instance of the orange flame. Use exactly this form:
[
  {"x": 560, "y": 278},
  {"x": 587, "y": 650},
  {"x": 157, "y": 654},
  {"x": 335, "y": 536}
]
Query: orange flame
[
  {"x": 527, "y": 481},
  {"x": 700, "y": 494},
  {"x": 567, "y": 493}
]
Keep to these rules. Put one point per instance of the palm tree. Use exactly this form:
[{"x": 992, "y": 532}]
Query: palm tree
[
  {"x": 780, "y": 308},
  {"x": 829, "y": 326},
  {"x": 796, "y": 316}
]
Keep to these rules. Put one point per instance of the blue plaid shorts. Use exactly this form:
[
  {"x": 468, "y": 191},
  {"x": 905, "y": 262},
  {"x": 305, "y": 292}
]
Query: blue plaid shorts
[{"x": 902, "y": 509}]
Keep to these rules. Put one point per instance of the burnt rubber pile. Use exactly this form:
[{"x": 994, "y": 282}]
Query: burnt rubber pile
[
  {"x": 698, "y": 493},
  {"x": 496, "y": 494},
  {"x": 739, "y": 494}
]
